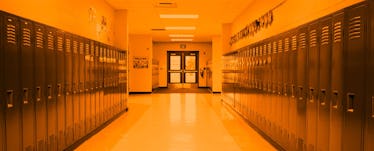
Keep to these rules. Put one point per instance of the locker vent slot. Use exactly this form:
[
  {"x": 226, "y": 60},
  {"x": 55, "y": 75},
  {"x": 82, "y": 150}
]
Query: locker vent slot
[
  {"x": 11, "y": 33},
  {"x": 81, "y": 48},
  {"x": 325, "y": 35},
  {"x": 87, "y": 48},
  {"x": 50, "y": 41},
  {"x": 286, "y": 44},
  {"x": 337, "y": 32},
  {"x": 280, "y": 48},
  {"x": 274, "y": 47},
  {"x": 75, "y": 47},
  {"x": 313, "y": 38},
  {"x": 39, "y": 39},
  {"x": 294, "y": 43},
  {"x": 265, "y": 50},
  {"x": 59, "y": 44},
  {"x": 68, "y": 45},
  {"x": 26, "y": 37},
  {"x": 355, "y": 27},
  {"x": 302, "y": 40},
  {"x": 269, "y": 48}
]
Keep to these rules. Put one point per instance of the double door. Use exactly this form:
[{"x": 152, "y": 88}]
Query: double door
[{"x": 183, "y": 68}]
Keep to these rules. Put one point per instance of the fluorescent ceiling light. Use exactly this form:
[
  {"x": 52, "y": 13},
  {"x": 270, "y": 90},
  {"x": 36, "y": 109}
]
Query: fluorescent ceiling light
[
  {"x": 181, "y": 35},
  {"x": 181, "y": 28},
  {"x": 181, "y": 39},
  {"x": 180, "y": 16}
]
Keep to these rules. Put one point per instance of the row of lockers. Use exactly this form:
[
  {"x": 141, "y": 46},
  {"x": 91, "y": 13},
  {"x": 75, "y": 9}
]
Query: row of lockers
[
  {"x": 310, "y": 88},
  {"x": 56, "y": 87}
]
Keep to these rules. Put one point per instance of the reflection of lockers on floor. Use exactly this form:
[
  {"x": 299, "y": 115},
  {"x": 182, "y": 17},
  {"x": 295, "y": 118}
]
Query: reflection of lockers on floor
[
  {"x": 310, "y": 88},
  {"x": 56, "y": 87}
]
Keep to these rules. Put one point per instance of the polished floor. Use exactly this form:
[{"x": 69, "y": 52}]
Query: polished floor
[{"x": 177, "y": 122}]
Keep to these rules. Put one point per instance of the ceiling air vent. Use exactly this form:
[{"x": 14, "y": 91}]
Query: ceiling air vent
[
  {"x": 158, "y": 29},
  {"x": 165, "y": 4}
]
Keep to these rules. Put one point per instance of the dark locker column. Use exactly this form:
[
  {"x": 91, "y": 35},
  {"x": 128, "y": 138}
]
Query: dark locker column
[
  {"x": 106, "y": 80},
  {"x": 356, "y": 25},
  {"x": 324, "y": 84},
  {"x": 27, "y": 81},
  {"x": 87, "y": 84},
  {"x": 337, "y": 82},
  {"x": 81, "y": 93},
  {"x": 40, "y": 86},
  {"x": 91, "y": 75},
  {"x": 370, "y": 86},
  {"x": 61, "y": 109},
  {"x": 96, "y": 82},
  {"x": 301, "y": 82},
  {"x": 75, "y": 73},
  {"x": 2, "y": 93},
  {"x": 11, "y": 54},
  {"x": 101, "y": 84},
  {"x": 51, "y": 88},
  {"x": 283, "y": 89},
  {"x": 286, "y": 90},
  {"x": 292, "y": 67},
  {"x": 69, "y": 89},
  {"x": 313, "y": 86}
]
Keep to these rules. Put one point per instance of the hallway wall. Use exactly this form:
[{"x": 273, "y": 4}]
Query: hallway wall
[
  {"x": 287, "y": 16},
  {"x": 82, "y": 17},
  {"x": 160, "y": 53}
]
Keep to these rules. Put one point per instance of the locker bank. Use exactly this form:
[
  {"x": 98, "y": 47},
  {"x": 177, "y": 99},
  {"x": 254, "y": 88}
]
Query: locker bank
[{"x": 187, "y": 75}]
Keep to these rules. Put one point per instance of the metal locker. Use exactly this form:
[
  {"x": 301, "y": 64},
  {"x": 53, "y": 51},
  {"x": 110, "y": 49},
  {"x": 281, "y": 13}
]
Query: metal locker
[
  {"x": 87, "y": 85},
  {"x": 75, "y": 78},
  {"x": 323, "y": 128},
  {"x": 40, "y": 86},
  {"x": 11, "y": 54},
  {"x": 286, "y": 90},
  {"x": 292, "y": 88},
  {"x": 2, "y": 103},
  {"x": 337, "y": 81},
  {"x": 81, "y": 93},
  {"x": 27, "y": 80},
  {"x": 301, "y": 82},
  {"x": 101, "y": 84},
  {"x": 356, "y": 36},
  {"x": 60, "y": 88},
  {"x": 51, "y": 84},
  {"x": 68, "y": 71},
  {"x": 96, "y": 82},
  {"x": 312, "y": 85},
  {"x": 91, "y": 76},
  {"x": 369, "y": 137}
]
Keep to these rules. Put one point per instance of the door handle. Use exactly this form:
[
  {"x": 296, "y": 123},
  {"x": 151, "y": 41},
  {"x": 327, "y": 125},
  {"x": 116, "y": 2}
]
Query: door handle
[
  {"x": 350, "y": 102},
  {"x": 335, "y": 101},
  {"x": 323, "y": 97},
  {"x": 25, "y": 96},
  {"x": 10, "y": 99},
  {"x": 38, "y": 94}
]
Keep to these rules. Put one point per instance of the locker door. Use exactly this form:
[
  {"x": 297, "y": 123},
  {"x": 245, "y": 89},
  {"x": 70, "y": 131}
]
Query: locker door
[
  {"x": 11, "y": 83},
  {"x": 313, "y": 86},
  {"x": 370, "y": 88},
  {"x": 91, "y": 74},
  {"x": 101, "y": 84},
  {"x": 2, "y": 107},
  {"x": 69, "y": 89},
  {"x": 81, "y": 93},
  {"x": 301, "y": 81},
  {"x": 324, "y": 84},
  {"x": 40, "y": 86},
  {"x": 87, "y": 84},
  {"x": 356, "y": 23},
  {"x": 337, "y": 82},
  {"x": 75, "y": 78},
  {"x": 51, "y": 88},
  {"x": 27, "y": 88},
  {"x": 293, "y": 114},
  {"x": 96, "y": 81},
  {"x": 286, "y": 90},
  {"x": 60, "y": 87}
]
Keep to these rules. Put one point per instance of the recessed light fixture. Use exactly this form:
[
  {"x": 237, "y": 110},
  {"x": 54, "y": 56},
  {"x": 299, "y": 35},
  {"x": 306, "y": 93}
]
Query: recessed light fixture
[
  {"x": 180, "y": 28},
  {"x": 180, "y": 16},
  {"x": 181, "y": 39},
  {"x": 181, "y": 35}
]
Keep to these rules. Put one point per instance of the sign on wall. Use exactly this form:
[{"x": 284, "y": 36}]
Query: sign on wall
[{"x": 140, "y": 62}]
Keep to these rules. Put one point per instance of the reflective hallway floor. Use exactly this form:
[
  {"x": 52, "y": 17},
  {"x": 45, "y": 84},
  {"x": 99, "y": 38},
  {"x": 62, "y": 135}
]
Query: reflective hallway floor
[{"x": 177, "y": 122}]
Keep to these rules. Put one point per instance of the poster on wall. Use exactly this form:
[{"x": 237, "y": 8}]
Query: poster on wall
[{"x": 140, "y": 62}]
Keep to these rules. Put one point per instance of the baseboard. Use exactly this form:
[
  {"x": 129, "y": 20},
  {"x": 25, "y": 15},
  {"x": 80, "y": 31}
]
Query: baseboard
[{"x": 140, "y": 92}]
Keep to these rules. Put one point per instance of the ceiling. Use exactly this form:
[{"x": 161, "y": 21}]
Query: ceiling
[{"x": 143, "y": 16}]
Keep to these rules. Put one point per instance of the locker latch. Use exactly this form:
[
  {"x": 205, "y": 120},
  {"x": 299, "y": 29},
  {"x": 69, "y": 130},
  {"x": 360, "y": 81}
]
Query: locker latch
[
  {"x": 322, "y": 97},
  {"x": 59, "y": 90},
  {"x": 25, "y": 96},
  {"x": 350, "y": 102},
  {"x": 49, "y": 92},
  {"x": 300, "y": 93},
  {"x": 311, "y": 95},
  {"x": 38, "y": 94},
  {"x": 372, "y": 106},
  {"x": 10, "y": 98},
  {"x": 335, "y": 101}
]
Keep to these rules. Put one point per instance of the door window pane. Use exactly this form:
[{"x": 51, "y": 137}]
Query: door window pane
[
  {"x": 175, "y": 62},
  {"x": 175, "y": 77},
  {"x": 190, "y": 77},
  {"x": 190, "y": 63}
]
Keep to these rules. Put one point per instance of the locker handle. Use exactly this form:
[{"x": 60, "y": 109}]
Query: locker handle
[
  {"x": 350, "y": 102},
  {"x": 335, "y": 97},
  {"x": 323, "y": 97},
  {"x": 292, "y": 91},
  {"x": 311, "y": 95},
  {"x": 300, "y": 93},
  {"x": 372, "y": 106},
  {"x": 38, "y": 94},
  {"x": 59, "y": 90},
  {"x": 10, "y": 98},
  {"x": 25, "y": 96},
  {"x": 49, "y": 92}
]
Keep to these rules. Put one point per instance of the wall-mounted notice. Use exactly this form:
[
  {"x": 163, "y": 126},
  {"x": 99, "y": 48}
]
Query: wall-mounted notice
[{"x": 140, "y": 62}]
